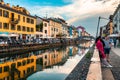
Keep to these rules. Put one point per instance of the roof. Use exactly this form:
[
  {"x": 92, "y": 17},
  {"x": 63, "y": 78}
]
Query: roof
[
  {"x": 116, "y": 10},
  {"x": 41, "y": 18},
  {"x": 11, "y": 9},
  {"x": 55, "y": 19}
]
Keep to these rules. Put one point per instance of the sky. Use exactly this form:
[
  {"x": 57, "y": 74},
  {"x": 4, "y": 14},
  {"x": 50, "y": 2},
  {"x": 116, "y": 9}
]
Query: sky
[{"x": 76, "y": 12}]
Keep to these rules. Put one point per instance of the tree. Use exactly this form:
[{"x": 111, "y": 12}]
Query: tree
[
  {"x": 59, "y": 35},
  {"x": 39, "y": 27}
]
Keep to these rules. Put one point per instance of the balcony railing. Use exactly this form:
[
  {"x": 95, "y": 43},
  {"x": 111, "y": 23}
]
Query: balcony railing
[{"x": 14, "y": 21}]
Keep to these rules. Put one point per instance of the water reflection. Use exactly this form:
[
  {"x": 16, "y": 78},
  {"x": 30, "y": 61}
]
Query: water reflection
[
  {"x": 50, "y": 64},
  {"x": 17, "y": 68}
]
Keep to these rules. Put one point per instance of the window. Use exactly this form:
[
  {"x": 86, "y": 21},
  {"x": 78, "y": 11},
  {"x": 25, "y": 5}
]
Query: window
[
  {"x": 23, "y": 19},
  {"x": 19, "y": 64},
  {"x": 0, "y": 69},
  {"x": 28, "y": 20},
  {"x": 28, "y": 70},
  {"x": 0, "y": 12},
  {"x": 32, "y": 29},
  {"x": 18, "y": 17},
  {"x": 19, "y": 28},
  {"x": 6, "y": 25},
  {"x": 23, "y": 29},
  {"x": 32, "y": 68},
  {"x": 32, "y": 60},
  {"x": 24, "y": 72},
  {"x": 45, "y": 56},
  {"x": 12, "y": 27},
  {"x": 28, "y": 29},
  {"x": 0, "y": 25},
  {"x": 46, "y": 31},
  {"x": 56, "y": 30},
  {"x": 6, "y": 68},
  {"x": 24, "y": 62},
  {"x": 32, "y": 21},
  {"x": 6, "y": 14},
  {"x": 28, "y": 61},
  {"x": 45, "y": 24},
  {"x": 52, "y": 29}
]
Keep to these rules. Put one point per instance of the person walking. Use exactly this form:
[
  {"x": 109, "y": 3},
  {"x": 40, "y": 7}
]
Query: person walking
[
  {"x": 100, "y": 47},
  {"x": 107, "y": 47},
  {"x": 115, "y": 42}
]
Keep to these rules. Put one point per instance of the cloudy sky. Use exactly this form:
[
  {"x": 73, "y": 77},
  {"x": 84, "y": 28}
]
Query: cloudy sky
[{"x": 75, "y": 12}]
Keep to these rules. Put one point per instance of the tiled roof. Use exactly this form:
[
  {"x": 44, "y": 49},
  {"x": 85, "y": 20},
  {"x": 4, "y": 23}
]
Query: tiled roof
[{"x": 9, "y": 8}]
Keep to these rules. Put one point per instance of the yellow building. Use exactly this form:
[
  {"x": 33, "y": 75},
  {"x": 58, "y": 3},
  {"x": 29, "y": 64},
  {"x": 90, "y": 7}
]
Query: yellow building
[
  {"x": 51, "y": 58},
  {"x": 55, "y": 27},
  {"x": 16, "y": 20},
  {"x": 17, "y": 69},
  {"x": 64, "y": 32}
]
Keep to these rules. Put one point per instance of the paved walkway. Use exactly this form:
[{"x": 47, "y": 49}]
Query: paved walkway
[
  {"x": 116, "y": 51},
  {"x": 114, "y": 72}
]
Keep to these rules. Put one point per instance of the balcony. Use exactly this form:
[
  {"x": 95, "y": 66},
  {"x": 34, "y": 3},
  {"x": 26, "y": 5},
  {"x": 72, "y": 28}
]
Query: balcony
[{"x": 14, "y": 21}]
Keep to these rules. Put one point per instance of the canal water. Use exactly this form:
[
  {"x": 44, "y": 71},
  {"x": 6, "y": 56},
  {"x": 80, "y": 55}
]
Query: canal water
[{"x": 47, "y": 64}]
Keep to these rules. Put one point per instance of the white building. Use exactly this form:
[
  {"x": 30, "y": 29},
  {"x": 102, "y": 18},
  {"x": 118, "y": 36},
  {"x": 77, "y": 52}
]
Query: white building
[
  {"x": 43, "y": 28},
  {"x": 116, "y": 20}
]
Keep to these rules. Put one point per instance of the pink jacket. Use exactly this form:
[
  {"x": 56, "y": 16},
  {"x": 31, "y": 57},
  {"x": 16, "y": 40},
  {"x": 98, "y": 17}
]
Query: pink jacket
[{"x": 100, "y": 47}]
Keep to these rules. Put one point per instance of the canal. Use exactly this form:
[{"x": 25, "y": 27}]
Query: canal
[{"x": 48, "y": 64}]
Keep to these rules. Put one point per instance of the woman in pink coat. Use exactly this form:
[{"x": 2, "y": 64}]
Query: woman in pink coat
[{"x": 100, "y": 47}]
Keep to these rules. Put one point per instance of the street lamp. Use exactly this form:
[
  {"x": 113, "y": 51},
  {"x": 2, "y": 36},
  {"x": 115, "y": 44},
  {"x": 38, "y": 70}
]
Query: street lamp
[{"x": 99, "y": 24}]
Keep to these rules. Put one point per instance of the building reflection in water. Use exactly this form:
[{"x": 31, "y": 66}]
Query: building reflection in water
[
  {"x": 22, "y": 66},
  {"x": 17, "y": 68}
]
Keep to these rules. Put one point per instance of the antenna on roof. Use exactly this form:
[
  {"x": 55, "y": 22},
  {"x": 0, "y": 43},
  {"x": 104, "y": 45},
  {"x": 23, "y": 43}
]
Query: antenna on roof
[{"x": 46, "y": 15}]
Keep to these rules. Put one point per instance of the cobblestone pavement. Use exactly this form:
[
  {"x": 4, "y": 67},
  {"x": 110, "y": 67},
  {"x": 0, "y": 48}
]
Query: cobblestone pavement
[
  {"x": 115, "y": 62},
  {"x": 116, "y": 50}
]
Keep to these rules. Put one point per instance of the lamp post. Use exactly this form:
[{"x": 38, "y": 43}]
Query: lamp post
[{"x": 99, "y": 24}]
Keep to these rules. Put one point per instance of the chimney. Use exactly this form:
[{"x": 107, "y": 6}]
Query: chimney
[
  {"x": 17, "y": 5},
  {"x": 2, "y": 2},
  {"x": 13, "y": 7}
]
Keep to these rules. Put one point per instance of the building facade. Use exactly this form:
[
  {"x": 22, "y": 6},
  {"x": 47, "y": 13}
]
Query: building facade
[
  {"x": 64, "y": 28},
  {"x": 17, "y": 20},
  {"x": 51, "y": 28},
  {"x": 55, "y": 27},
  {"x": 42, "y": 28},
  {"x": 116, "y": 20}
]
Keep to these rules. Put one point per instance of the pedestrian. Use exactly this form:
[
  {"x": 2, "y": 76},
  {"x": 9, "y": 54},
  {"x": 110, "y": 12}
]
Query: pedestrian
[
  {"x": 115, "y": 42},
  {"x": 100, "y": 47},
  {"x": 107, "y": 47}
]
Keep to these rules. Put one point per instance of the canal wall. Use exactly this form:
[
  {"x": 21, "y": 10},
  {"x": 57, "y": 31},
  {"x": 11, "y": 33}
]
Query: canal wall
[
  {"x": 21, "y": 49},
  {"x": 94, "y": 72}
]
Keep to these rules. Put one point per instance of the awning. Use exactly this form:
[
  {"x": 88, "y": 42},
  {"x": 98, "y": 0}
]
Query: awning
[
  {"x": 114, "y": 35},
  {"x": 13, "y": 35},
  {"x": 4, "y": 35}
]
